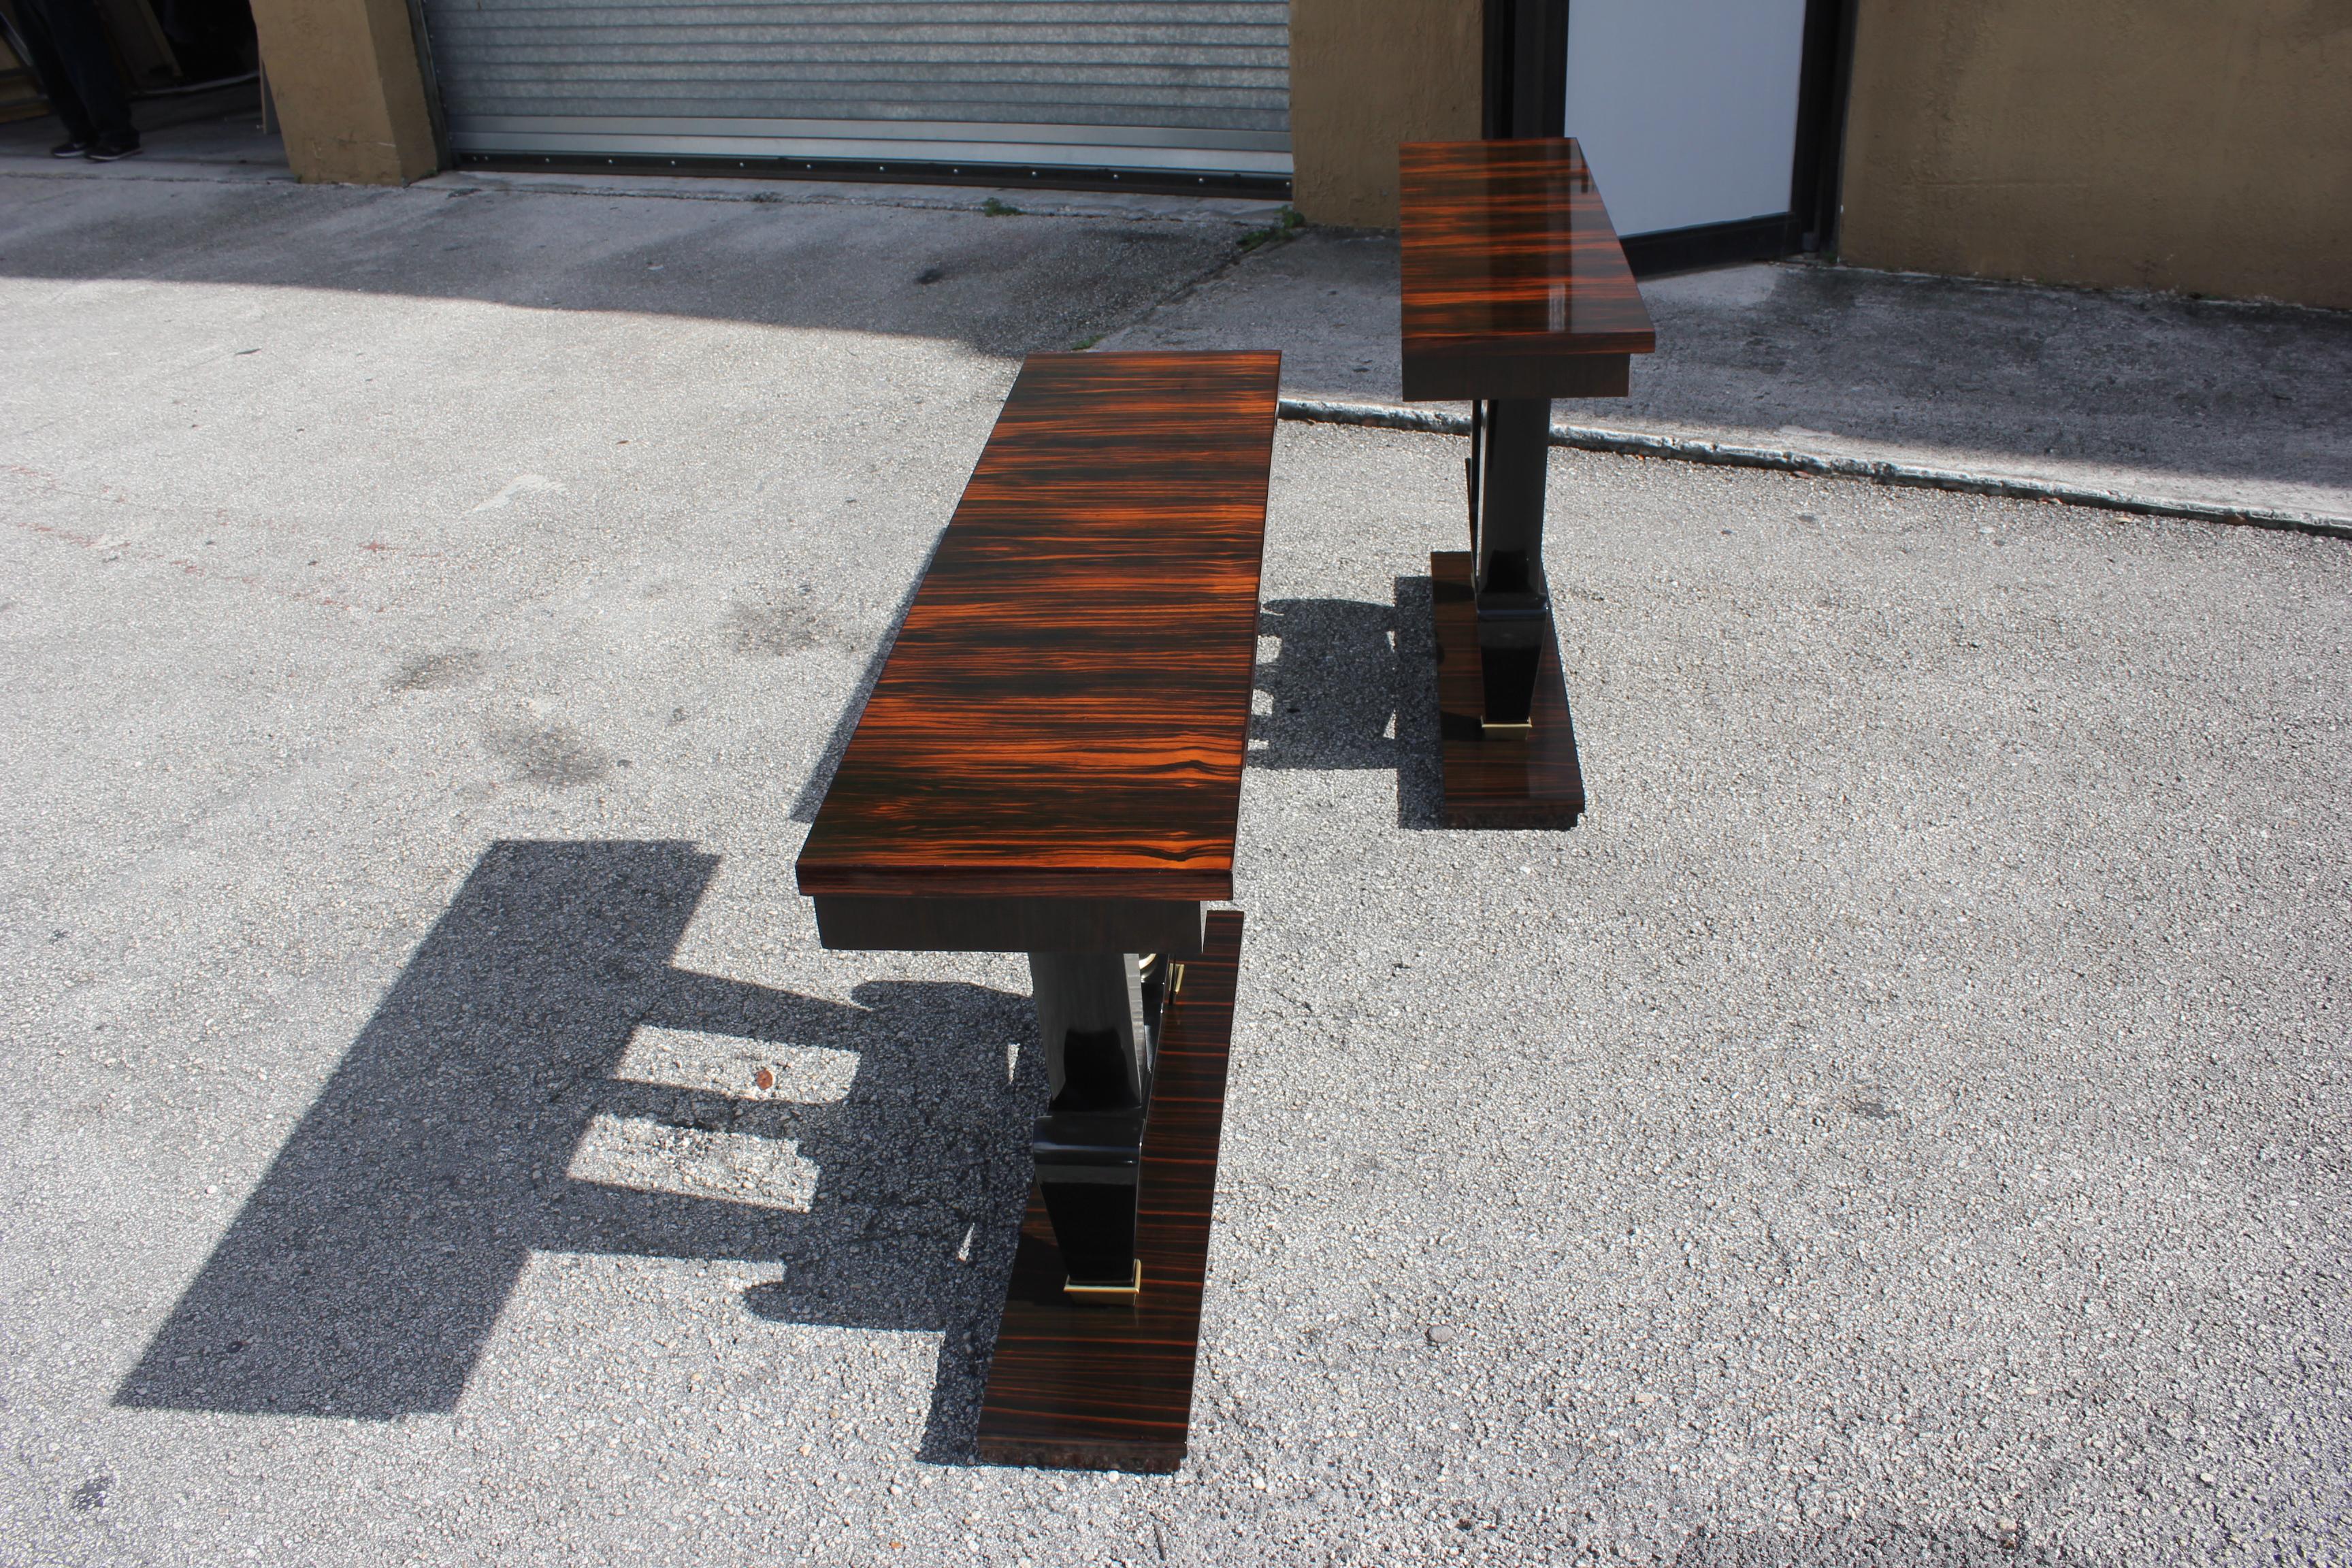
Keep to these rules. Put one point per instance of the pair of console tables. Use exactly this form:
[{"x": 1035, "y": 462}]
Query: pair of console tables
[{"x": 1051, "y": 761}]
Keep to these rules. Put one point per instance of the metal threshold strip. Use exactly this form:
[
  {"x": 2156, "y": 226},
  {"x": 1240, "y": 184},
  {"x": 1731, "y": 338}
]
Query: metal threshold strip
[{"x": 1260, "y": 155}]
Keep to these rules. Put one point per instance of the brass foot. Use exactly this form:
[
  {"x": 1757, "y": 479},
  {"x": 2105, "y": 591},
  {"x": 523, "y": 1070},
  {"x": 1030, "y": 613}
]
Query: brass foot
[
  {"x": 1106, "y": 1295},
  {"x": 1488, "y": 726}
]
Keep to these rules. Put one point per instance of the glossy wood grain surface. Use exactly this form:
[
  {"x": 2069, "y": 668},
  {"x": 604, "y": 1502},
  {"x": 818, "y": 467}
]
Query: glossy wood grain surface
[
  {"x": 1513, "y": 275},
  {"x": 1065, "y": 710},
  {"x": 1110, "y": 1387},
  {"x": 1490, "y": 780}
]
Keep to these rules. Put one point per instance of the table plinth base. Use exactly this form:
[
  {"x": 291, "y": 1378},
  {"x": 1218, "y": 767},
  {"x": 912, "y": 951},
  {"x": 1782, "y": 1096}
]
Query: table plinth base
[
  {"x": 1108, "y": 1386},
  {"x": 1520, "y": 777}
]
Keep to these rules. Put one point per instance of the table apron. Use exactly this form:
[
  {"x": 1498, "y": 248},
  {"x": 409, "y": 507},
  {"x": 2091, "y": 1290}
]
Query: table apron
[{"x": 880, "y": 923}]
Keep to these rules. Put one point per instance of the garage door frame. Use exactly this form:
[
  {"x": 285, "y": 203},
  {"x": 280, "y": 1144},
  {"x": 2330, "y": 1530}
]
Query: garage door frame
[{"x": 1059, "y": 156}]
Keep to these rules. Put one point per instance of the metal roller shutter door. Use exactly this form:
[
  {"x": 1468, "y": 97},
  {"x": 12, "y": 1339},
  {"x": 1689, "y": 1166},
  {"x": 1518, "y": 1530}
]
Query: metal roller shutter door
[{"x": 1164, "y": 87}]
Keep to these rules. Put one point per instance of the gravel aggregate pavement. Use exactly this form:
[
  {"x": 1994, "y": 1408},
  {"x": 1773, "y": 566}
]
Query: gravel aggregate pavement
[{"x": 1904, "y": 1123}]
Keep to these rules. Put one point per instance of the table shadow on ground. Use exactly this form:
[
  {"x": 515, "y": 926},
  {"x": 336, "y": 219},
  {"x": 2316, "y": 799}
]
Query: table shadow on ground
[
  {"x": 366, "y": 1272},
  {"x": 1353, "y": 685}
]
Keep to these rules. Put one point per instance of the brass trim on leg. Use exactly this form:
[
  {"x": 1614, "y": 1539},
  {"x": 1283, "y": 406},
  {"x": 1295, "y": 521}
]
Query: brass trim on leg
[{"x": 1106, "y": 1295}]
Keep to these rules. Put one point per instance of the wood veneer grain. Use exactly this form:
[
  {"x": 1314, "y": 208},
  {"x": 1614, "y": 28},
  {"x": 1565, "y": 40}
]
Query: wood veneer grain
[
  {"x": 1110, "y": 1387},
  {"x": 1065, "y": 711},
  {"x": 1526, "y": 780},
  {"x": 1514, "y": 277}
]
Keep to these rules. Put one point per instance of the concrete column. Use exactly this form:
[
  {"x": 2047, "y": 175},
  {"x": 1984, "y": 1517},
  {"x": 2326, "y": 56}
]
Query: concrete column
[
  {"x": 349, "y": 88},
  {"x": 1364, "y": 76}
]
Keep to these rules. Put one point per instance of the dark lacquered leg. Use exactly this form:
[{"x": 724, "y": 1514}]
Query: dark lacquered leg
[
  {"x": 1087, "y": 1169},
  {"x": 1098, "y": 1013},
  {"x": 1100, "y": 1382},
  {"x": 1511, "y": 448}
]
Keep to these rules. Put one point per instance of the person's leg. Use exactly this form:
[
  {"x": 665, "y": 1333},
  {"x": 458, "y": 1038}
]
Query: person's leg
[
  {"x": 57, "y": 82},
  {"x": 85, "y": 66}
]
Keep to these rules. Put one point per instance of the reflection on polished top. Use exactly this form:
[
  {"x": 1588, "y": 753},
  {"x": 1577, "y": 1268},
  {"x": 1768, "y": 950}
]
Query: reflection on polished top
[
  {"x": 1509, "y": 254},
  {"x": 1065, "y": 711}
]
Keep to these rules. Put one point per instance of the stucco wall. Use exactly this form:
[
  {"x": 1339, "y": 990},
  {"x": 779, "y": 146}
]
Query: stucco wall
[
  {"x": 1364, "y": 76},
  {"x": 350, "y": 95},
  {"x": 2176, "y": 144}
]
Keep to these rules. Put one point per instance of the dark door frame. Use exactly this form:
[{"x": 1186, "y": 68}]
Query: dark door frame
[
  {"x": 1525, "y": 75},
  {"x": 1526, "y": 94}
]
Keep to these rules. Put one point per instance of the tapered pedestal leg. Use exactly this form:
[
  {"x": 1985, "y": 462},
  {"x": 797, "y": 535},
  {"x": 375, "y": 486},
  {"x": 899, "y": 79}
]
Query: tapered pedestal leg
[
  {"x": 1508, "y": 745},
  {"x": 1512, "y": 449},
  {"x": 1107, "y": 1384},
  {"x": 1098, "y": 1013}
]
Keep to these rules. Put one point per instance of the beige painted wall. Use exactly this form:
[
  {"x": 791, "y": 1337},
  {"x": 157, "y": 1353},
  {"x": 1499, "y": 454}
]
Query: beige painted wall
[
  {"x": 2179, "y": 144},
  {"x": 350, "y": 95},
  {"x": 1364, "y": 76}
]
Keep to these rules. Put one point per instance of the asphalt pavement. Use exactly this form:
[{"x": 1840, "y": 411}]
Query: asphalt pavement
[{"x": 1904, "y": 1123}]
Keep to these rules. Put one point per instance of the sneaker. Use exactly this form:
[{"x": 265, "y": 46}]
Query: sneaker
[
  {"x": 107, "y": 152},
  {"x": 68, "y": 149}
]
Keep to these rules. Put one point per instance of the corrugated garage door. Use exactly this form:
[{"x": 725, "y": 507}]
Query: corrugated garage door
[{"x": 1157, "y": 87}]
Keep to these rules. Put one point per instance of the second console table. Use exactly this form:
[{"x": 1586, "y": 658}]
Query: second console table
[{"x": 1516, "y": 292}]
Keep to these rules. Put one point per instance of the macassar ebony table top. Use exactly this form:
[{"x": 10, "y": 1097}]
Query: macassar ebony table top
[
  {"x": 1065, "y": 711},
  {"x": 1512, "y": 271}
]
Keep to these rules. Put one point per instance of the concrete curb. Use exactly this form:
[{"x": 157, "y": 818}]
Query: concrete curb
[{"x": 1686, "y": 450}]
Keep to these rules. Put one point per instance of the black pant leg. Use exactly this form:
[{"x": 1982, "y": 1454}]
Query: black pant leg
[
  {"x": 56, "y": 85},
  {"x": 77, "y": 68}
]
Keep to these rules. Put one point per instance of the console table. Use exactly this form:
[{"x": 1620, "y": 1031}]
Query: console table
[
  {"x": 1051, "y": 764},
  {"x": 1516, "y": 292}
]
